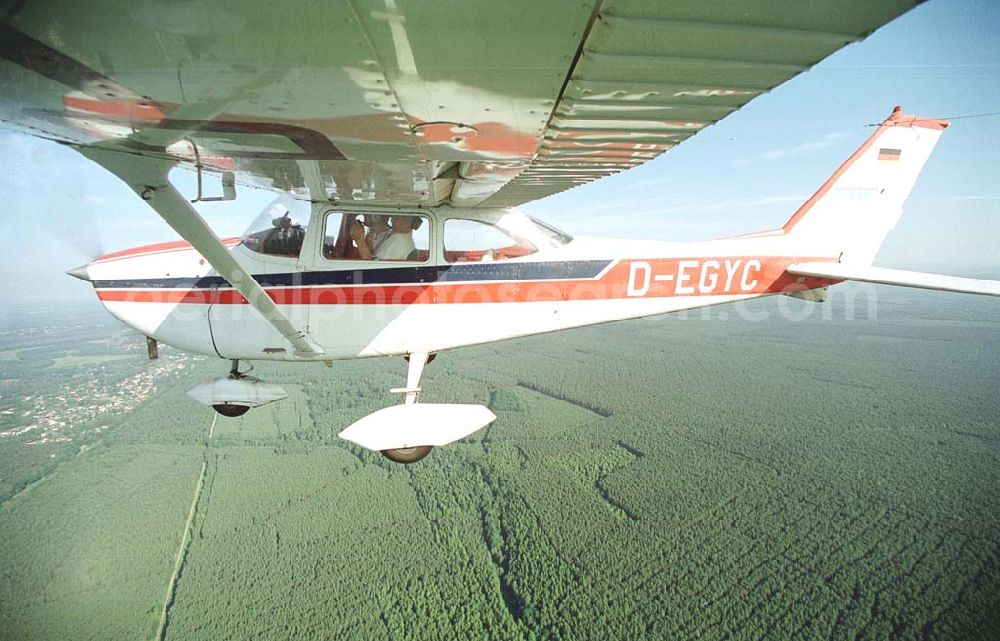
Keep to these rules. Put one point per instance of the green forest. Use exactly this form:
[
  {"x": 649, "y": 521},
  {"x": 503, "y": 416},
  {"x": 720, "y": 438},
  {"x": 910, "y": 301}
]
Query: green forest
[{"x": 692, "y": 476}]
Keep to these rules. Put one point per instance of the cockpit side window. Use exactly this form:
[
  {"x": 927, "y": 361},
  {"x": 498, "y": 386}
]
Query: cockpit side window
[{"x": 276, "y": 231}]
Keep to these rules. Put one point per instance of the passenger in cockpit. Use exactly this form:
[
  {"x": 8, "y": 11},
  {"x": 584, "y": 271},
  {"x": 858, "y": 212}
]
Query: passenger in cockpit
[
  {"x": 395, "y": 243},
  {"x": 377, "y": 224}
]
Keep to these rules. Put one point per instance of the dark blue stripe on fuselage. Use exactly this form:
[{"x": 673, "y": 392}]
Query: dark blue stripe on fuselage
[{"x": 504, "y": 271}]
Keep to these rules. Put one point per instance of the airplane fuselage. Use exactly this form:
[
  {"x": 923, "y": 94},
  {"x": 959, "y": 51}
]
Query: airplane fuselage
[{"x": 355, "y": 308}]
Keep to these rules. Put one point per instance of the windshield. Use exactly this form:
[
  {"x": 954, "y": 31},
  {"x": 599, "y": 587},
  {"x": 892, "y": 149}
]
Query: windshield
[{"x": 280, "y": 229}]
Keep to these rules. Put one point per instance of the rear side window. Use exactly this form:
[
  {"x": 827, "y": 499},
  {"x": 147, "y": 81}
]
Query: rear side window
[
  {"x": 392, "y": 237},
  {"x": 478, "y": 241}
]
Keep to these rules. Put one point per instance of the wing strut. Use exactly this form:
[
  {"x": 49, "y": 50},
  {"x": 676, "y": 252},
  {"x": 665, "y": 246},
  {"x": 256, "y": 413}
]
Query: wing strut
[{"x": 147, "y": 176}]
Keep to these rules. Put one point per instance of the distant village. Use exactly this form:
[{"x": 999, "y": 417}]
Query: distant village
[{"x": 85, "y": 401}]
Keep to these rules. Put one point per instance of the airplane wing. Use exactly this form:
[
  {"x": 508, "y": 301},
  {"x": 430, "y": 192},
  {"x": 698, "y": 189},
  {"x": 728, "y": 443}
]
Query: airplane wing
[{"x": 463, "y": 102}]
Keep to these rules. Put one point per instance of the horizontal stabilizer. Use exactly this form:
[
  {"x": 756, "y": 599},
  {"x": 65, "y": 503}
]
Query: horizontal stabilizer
[
  {"x": 416, "y": 424},
  {"x": 882, "y": 276}
]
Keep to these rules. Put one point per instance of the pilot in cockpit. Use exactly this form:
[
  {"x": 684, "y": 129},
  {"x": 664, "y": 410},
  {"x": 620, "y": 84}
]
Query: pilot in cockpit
[{"x": 284, "y": 238}]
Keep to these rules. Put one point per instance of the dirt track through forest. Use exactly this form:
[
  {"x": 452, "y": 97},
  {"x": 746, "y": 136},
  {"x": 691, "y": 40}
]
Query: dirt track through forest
[{"x": 161, "y": 632}]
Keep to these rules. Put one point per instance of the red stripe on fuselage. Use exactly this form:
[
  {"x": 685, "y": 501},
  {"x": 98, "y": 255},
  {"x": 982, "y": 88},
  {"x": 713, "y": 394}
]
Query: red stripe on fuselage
[
  {"x": 654, "y": 278},
  {"x": 176, "y": 245}
]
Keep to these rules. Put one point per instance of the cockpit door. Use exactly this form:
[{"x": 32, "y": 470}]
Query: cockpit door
[{"x": 277, "y": 251}]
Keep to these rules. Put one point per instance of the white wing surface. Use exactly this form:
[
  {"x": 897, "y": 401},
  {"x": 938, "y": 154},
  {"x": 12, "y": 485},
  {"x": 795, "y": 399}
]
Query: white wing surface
[{"x": 407, "y": 102}]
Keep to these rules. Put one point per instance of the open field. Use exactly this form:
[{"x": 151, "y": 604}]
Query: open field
[
  {"x": 667, "y": 478},
  {"x": 76, "y": 361}
]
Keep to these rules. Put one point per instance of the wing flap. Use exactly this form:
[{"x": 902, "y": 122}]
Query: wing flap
[{"x": 899, "y": 277}]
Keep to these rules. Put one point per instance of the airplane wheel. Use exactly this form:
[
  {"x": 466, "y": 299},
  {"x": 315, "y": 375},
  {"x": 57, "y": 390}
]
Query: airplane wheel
[
  {"x": 230, "y": 410},
  {"x": 407, "y": 454}
]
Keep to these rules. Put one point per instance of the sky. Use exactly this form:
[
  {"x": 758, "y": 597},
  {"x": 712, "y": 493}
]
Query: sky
[{"x": 747, "y": 173}]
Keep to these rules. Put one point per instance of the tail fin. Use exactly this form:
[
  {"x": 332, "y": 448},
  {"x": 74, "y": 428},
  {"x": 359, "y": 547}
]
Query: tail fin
[{"x": 858, "y": 206}]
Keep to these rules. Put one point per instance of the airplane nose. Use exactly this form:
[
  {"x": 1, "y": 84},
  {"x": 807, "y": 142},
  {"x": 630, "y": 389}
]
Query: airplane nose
[{"x": 79, "y": 272}]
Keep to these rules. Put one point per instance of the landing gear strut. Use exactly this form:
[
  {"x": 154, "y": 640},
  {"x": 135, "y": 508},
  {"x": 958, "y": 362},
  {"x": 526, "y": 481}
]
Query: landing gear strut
[{"x": 415, "y": 368}]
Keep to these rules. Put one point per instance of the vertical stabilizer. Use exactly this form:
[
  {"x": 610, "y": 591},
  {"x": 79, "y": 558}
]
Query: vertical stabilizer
[{"x": 855, "y": 209}]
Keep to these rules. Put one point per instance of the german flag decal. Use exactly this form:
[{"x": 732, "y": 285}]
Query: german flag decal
[{"x": 890, "y": 155}]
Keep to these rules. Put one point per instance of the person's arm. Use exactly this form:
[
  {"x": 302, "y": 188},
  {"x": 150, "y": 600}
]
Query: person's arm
[{"x": 358, "y": 235}]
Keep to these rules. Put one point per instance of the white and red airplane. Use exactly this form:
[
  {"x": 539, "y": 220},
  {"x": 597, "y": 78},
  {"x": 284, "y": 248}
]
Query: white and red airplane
[{"x": 398, "y": 235}]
